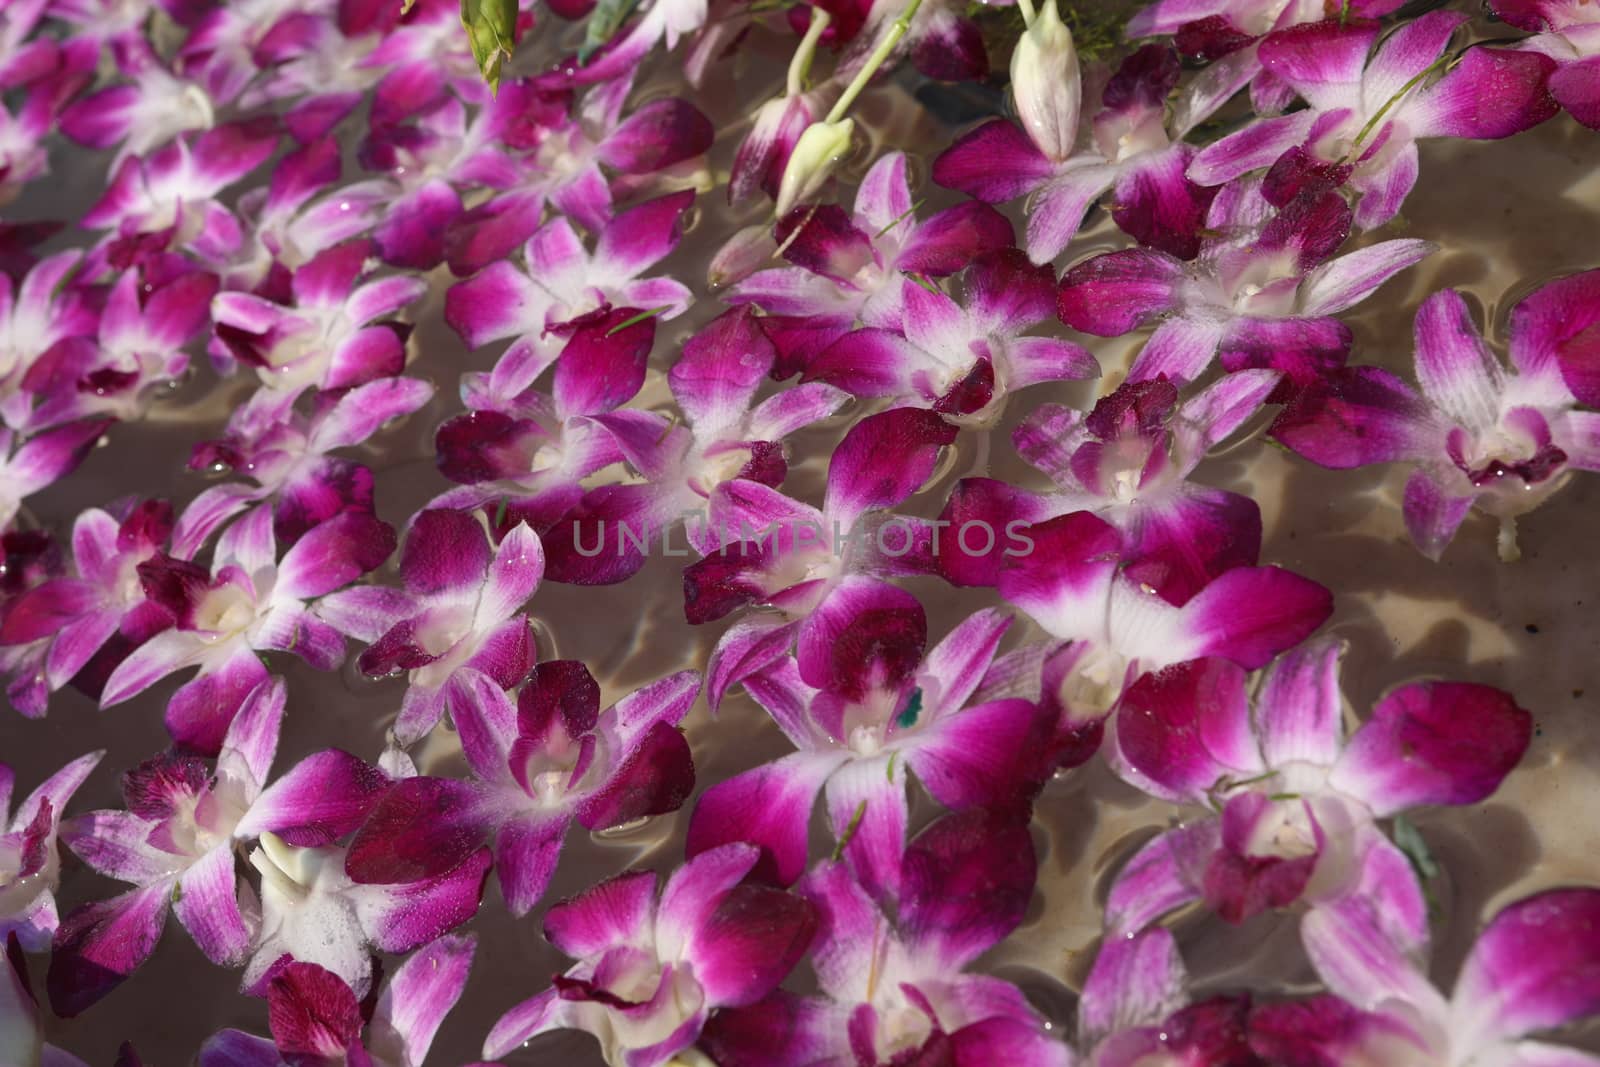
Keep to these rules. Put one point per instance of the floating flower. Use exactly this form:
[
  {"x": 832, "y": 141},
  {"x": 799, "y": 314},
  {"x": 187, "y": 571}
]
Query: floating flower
[
  {"x": 247, "y": 602},
  {"x": 313, "y": 1013},
  {"x": 529, "y": 449},
  {"x": 778, "y": 553},
  {"x": 1263, "y": 290},
  {"x": 312, "y": 913},
  {"x": 1568, "y": 31},
  {"x": 459, "y": 609},
  {"x": 285, "y": 453},
  {"x": 145, "y": 112},
  {"x": 894, "y": 991},
  {"x": 47, "y": 308},
  {"x": 29, "y": 864},
  {"x": 1127, "y": 461},
  {"x": 1070, "y": 579},
  {"x": 960, "y": 359},
  {"x": 1296, "y": 801},
  {"x": 100, "y": 610},
  {"x": 1370, "y": 115},
  {"x": 176, "y": 844},
  {"x": 850, "y": 267},
  {"x": 862, "y": 703},
  {"x": 1131, "y": 153},
  {"x": 330, "y": 338},
  {"x": 604, "y": 538},
  {"x": 1532, "y": 969},
  {"x": 550, "y": 758},
  {"x": 1479, "y": 437},
  {"x": 649, "y": 972},
  {"x": 565, "y": 284}
]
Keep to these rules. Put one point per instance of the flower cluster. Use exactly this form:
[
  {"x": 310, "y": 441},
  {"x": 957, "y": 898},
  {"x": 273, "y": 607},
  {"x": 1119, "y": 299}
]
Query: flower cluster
[{"x": 300, "y": 197}]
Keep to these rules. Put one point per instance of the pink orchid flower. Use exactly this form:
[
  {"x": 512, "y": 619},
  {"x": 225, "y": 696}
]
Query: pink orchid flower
[
  {"x": 1371, "y": 114},
  {"x": 1478, "y": 435},
  {"x": 863, "y": 701},
  {"x": 893, "y": 990},
  {"x": 651, "y": 970},
  {"x": 30, "y": 867},
  {"x": 176, "y": 844},
  {"x": 459, "y": 609},
  {"x": 538, "y": 764},
  {"x": 247, "y": 602},
  {"x": 314, "y": 1015},
  {"x": 1568, "y": 31},
  {"x": 1296, "y": 802}
]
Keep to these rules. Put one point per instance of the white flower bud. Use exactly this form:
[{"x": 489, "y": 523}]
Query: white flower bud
[
  {"x": 815, "y": 155},
  {"x": 1047, "y": 84}
]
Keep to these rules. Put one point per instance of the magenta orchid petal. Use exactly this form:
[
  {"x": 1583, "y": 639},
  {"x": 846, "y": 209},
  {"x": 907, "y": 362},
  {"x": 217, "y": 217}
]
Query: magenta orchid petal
[
  {"x": 1161, "y": 876},
  {"x": 1533, "y": 967},
  {"x": 967, "y": 880},
  {"x": 1434, "y": 743},
  {"x": 207, "y": 903},
  {"x": 769, "y": 806},
  {"x": 1135, "y": 981},
  {"x": 866, "y": 801},
  {"x": 1300, "y": 712},
  {"x": 100, "y": 944},
  {"x": 1187, "y": 727}
]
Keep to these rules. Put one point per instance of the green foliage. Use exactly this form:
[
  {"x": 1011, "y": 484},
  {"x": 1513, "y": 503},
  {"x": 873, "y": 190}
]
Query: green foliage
[
  {"x": 492, "y": 30},
  {"x": 604, "y": 22}
]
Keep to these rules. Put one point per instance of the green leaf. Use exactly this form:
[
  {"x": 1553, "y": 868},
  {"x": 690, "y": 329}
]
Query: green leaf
[
  {"x": 492, "y": 30},
  {"x": 604, "y": 22},
  {"x": 1409, "y": 841}
]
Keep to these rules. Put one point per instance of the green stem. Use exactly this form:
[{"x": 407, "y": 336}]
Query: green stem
[
  {"x": 800, "y": 65},
  {"x": 874, "y": 61},
  {"x": 1442, "y": 63},
  {"x": 1028, "y": 13}
]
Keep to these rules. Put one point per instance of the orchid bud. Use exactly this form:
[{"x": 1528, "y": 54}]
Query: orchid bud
[
  {"x": 760, "y": 161},
  {"x": 815, "y": 155},
  {"x": 1046, "y": 83}
]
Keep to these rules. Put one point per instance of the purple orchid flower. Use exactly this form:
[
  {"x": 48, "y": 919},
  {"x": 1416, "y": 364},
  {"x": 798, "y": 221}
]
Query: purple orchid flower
[
  {"x": 650, "y": 971},
  {"x": 778, "y": 553},
  {"x": 168, "y": 199},
  {"x": 893, "y": 991},
  {"x": 849, "y": 267},
  {"x": 604, "y": 538},
  {"x": 538, "y": 764},
  {"x": 532, "y": 449},
  {"x": 1370, "y": 115},
  {"x": 315, "y": 1017},
  {"x": 176, "y": 844},
  {"x": 960, "y": 359},
  {"x": 1263, "y": 290},
  {"x": 663, "y": 136},
  {"x": 765, "y": 150},
  {"x": 1295, "y": 800},
  {"x": 24, "y": 133},
  {"x": 144, "y": 326},
  {"x": 1478, "y": 435},
  {"x": 565, "y": 283},
  {"x": 143, "y": 113},
  {"x": 248, "y": 602},
  {"x": 330, "y": 338},
  {"x": 1132, "y": 153},
  {"x": 459, "y": 609},
  {"x": 862, "y": 703},
  {"x": 28, "y": 558},
  {"x": 318, "y": 65},
  {"x": 428, "y": 164},
  {"x": 1071, "y": 581},
  {"x": 295, "y": 217},
  {"x": 1136, "y": 1011},
  {"x": 49, "y": 307},
  {"x": 1128, "y": 462},
  {"x": 1532, "y": 969},
  {"x": 1568, "y": 31},
  {"x": 29, "y": 865},
  {"x": 311, "y": 912},
  {"x": 100, "y": 611},
  {"x": 1213, "y": 29},
  {"x": 27, "y": 466},
  {"x": 285, "y": 453},
  {"x": 21, "y": 1030}
]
